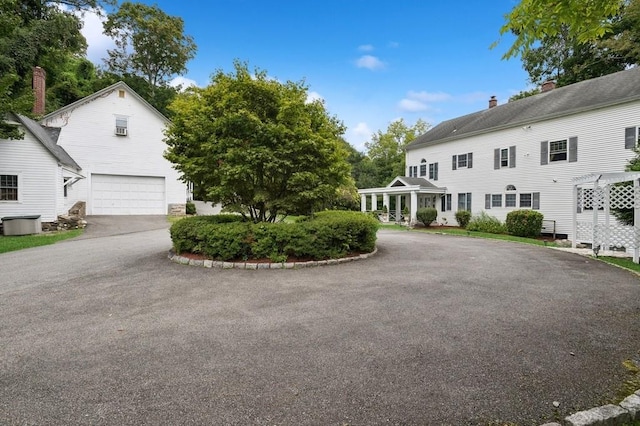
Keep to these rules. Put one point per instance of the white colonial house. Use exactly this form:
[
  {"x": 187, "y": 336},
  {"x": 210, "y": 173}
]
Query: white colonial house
[
  {"x": 118, "y": 140},
  {"x": 534, "y": 153},
  {"x": 106, "y": 150},
  {"x": 33, "y": 171}
]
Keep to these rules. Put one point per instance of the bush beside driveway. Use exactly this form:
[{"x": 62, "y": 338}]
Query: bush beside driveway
[{"x": 432, "y": 330}]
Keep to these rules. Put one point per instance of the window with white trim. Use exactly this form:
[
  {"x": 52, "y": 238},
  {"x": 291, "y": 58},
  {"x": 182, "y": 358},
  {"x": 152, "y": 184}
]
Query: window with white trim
[
  {"x": 9, "y": 188},
  {"x": 433, "y": 171},
  {"x": 558, "y": 150},
  {"x": 631, "y": 137},
  {"x": 413, "y": 171},
  {"x": 563, "y": 150},
  {"x": 462, "y": 161},
  {"x": 496, "y": 200},
  {"x": 510, "y": 200},
  {"x": 445, "y": 202},
  {"x": 122, "y": 125},
  {"x": 464, "y": 201},
  {"x": 423, "y": 167},
  {"x": 530, "y": 200},
  {"x": 504, "y": 157}
]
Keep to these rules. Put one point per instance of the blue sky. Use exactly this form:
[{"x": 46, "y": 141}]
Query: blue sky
[{"x": 371, "y": 61}]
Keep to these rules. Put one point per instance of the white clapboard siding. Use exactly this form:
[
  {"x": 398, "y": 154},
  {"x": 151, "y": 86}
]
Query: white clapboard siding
[
  {"x": 39, "y": 179},
  {"x": 601, "y": 148},
  {"x": 89, "y": 136}
]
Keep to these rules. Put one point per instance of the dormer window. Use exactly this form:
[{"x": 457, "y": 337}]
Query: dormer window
[{"x": 121, "y": 126}]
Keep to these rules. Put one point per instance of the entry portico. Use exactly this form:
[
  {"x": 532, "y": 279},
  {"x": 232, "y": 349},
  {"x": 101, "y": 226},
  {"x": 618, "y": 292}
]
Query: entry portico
[{"x": 415, "y": 192}]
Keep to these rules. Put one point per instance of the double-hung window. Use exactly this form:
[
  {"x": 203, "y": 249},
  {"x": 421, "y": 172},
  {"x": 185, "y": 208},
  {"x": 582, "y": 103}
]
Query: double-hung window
[
  {"x": 464, "y": 201},
  {"x": 504, "y": 157},
  {"x": 462, "y": 161},
  {"x": 8, "y": 187},
  {"x": 559, "y": 151},
  {"x": 530, "y": 200},
  {"x": 413, "y": 171},
  {"x": 445, "y": 202},
  {"x": 433, "y": 171},
  {"x": 423, "y": 167},
  {"x": 122, "y": 124},
  {"x": 631, "y": 137}
]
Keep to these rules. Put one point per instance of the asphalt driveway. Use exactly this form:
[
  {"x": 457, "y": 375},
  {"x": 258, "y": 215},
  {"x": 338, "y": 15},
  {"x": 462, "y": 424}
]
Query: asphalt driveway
[{"x": 432, "y": 330}]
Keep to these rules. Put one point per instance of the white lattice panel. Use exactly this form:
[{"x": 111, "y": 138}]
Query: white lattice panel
[
  {"x": 616, "y": 235},
  {"x": 585, "y": 232},
  {"x": 624, "y": 196}
]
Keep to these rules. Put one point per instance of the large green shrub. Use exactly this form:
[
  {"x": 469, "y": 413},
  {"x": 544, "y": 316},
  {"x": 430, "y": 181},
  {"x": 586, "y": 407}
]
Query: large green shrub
[
  {"x": 190, "y": 208},
  {"x": 463, "y": 217},
  {"x": 524, "y": 223},
  {"x": 484, "y": 222},
  {"x": 326, "y": 235},
  {"x": 426, "y": 215}
]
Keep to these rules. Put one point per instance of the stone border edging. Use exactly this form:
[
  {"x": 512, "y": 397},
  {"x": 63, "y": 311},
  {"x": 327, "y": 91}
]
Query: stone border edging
[
  {"x": 216, "y": 264},
  {"x": 610, "y": 415}
]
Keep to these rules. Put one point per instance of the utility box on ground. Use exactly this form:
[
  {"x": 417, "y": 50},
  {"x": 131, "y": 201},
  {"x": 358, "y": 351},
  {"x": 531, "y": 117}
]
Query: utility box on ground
[{"x": 21, "y": 225}]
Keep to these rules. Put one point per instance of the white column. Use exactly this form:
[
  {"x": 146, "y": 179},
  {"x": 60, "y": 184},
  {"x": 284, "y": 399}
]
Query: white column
[
  {"x": 413, "y": 207},
  {"x": 636, "y": 219},
  {"x": 363, "y": 202},
  {"x": 385, "y": 200},
  {"x": 398, "y": 208},
  {"x": 574, "y": 238},
  {"x": 374, "y": 202}
]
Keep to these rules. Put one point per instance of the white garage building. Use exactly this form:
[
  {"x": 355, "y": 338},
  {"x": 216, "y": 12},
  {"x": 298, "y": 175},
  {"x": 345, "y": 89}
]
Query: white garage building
[{"x": 117, "y": 139}]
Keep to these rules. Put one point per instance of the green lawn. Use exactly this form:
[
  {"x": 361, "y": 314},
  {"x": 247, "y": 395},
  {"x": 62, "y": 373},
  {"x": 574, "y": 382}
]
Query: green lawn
[
  {"x": 13, "y": 243},
  {"x": 623, "y": 262},
  {"x": 474, "y": 234}
]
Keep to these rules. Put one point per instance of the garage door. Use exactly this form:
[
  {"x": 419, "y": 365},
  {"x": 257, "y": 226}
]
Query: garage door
[{"x": 127, "y": 195}]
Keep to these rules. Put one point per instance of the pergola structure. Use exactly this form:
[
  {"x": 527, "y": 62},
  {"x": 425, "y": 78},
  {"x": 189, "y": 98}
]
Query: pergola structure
[
  {"x": 601, "y": 194},
  {"x": 416, "y": 193}
]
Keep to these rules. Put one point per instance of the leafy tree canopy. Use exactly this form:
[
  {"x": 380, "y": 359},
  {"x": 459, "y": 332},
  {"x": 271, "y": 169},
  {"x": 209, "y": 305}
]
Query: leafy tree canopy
[
  {"x": 534, "y": 20},
  {"x": 386, "y": 149},
  {"x": 149, "y": 43},
  {"x": 257, "y": 145},
  {"x": 35, "y": 32}
]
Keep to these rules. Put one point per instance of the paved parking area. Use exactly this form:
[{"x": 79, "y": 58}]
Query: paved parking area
[{"x": 432, "y": 330}]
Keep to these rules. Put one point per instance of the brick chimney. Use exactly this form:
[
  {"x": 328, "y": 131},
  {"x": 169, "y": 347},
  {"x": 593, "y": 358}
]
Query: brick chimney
[
  {"x": 493, "y": 102},
  {"x": 39, "y": 90},
  {"x": 548, "y": 86}
]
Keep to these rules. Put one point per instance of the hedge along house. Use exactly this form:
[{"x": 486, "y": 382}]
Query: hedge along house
[
  {"x": 526, "y": 154},
  {"x": 118, "y": 139}
]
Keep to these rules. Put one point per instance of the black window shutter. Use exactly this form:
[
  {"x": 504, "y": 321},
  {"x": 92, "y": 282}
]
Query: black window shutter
[
  {"x": 544, "y": 153},
  {"x": 487, "y": 201},
  {"x": 454, "y": 162},
  {"x": 469, "y": 201},
  {"x": 435, "y": 171},
  {"x": 496, "y": 159},
  {"x": 630, "y": 137},
  {"x": 573, "y": 149},
  {"x": 449, "y": 196},
  {"x": 469, "y": 160},
  {"x": 512, "y": 156},
  {"x": 535, "y": 202},
  {"x": 443, "y": 202}
]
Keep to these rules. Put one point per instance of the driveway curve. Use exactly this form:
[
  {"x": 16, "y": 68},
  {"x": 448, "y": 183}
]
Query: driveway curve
[{"x": 432, "y": 330}]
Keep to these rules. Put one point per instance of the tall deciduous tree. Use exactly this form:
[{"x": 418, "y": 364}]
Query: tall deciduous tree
[
  {"x": 583, "y": 20},
  {"x": 386, "y": 149},
  {"x": 257, "y": 146},
  {"x": 149, "y": 43},
  {"x": 35, "y": 32}
]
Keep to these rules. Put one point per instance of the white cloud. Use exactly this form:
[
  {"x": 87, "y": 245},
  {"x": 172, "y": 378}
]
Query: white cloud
[
  {"x": 369, "y": 62},
  {"x": 183, "y": 81},
  {"x": 359, "y": 135},
  {"x": 314, "y": 96},
  {"x": 429, "y": 97},
  {"x": 412, "y": 105},
  {"x": 365, "y": 48},
  {"x": 97, "y": 42},
  {"x": 362, "y": 130}
]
